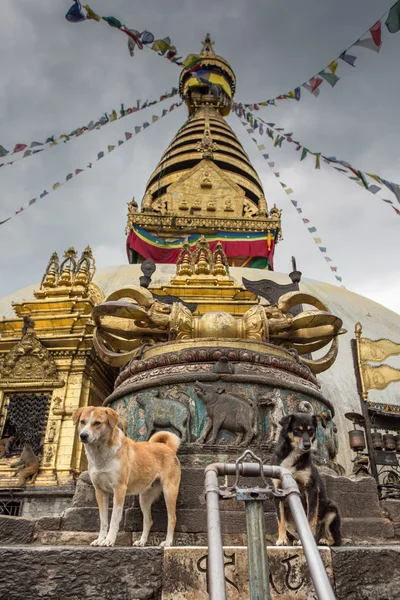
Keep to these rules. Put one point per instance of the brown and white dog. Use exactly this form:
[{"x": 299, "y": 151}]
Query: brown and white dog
[{"x": 120, "y": 466}]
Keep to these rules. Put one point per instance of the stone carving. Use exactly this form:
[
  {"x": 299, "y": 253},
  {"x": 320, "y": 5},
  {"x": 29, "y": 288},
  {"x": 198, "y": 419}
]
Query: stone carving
[
  {"x": 276, "y": 412},
  {"x": 223, "y": 366},
  {"x": 161, "y": 412},
  {"x": 28, "y": 360},
  {"x": 226, "y": 411}
]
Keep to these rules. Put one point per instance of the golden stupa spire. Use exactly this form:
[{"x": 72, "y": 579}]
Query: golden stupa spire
[
  {"x": 208, "y": 47},
  {"x": 204, "y": 182}
]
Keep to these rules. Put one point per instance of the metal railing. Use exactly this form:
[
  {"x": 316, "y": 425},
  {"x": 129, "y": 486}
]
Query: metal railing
[{"x": 256, "y": 546}]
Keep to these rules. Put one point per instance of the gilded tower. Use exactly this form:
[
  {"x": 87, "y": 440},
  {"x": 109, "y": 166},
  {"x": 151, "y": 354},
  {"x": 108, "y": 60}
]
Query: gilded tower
[{"x": 204, "y": 183}]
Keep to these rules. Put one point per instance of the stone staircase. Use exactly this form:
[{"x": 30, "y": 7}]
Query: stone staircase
[{"x": 50, "y": 557}]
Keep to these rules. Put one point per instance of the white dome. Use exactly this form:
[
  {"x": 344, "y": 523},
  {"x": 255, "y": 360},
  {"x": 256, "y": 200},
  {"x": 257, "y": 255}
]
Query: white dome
[{"x": 339, "y": 382}]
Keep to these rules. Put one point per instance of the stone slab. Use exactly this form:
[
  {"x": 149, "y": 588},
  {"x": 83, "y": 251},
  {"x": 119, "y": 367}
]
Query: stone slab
[
  {"x": 366, "y": 529},
  {"x": 355, "y": 498},
  {"x": 371, "y": 573},
  {"x": 195, "y": 521},
  {"x": 393, "y": 509},
  {"x": 185, "y": 573},
  {"x": 75, "y": 538},
  {"x": 71, "y": 573},
  {"x": 16, "y": 530}
]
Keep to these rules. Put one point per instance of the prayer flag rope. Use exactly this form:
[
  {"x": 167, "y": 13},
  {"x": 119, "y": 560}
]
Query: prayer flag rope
[
  {"x": 110, "y": 148},
  {"x": 360, "y": 177},
  {"x": 136, "y": 40},
  {"x": 289, "y": 191},
  {"x": 370, "y": 39},
  {"x": 25, "y": 150}
]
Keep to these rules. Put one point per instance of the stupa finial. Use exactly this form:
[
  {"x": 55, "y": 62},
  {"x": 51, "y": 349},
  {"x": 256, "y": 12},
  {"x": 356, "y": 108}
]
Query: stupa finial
[{"x": 208, "y": 46}]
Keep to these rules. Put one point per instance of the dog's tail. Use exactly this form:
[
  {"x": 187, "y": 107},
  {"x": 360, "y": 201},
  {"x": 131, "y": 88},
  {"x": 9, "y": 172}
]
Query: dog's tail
[{"x": 171, "y": 440}]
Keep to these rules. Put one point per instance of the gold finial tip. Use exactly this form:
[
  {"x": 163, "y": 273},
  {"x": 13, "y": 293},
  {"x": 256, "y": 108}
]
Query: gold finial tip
[{"x": 208, "y": 46}]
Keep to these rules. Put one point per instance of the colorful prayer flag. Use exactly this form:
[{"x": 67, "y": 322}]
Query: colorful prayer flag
[{"x": 393, "y": 20}]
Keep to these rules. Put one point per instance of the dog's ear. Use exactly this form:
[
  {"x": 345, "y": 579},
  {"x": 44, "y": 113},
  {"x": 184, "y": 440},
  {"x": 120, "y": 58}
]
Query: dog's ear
[
  {"x": 319, "y": 420},
  {"x": 76, "y": 415},
  {"x": 113, "y": 417},
  {"x": 285, "y": 422}
]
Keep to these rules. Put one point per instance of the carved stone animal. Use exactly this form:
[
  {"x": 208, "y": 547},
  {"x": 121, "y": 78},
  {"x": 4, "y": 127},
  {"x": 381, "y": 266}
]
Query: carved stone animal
[
  {"x": 277, "y": 412},
  {"x": 226, "y": 411},
  {"x": 5, "y": 445},
  {"x": 28, "y": 466},
  {"x": 160, "y": 412}
]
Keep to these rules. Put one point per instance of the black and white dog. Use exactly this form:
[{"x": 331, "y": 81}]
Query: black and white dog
[{"x": 293, "y": 451}]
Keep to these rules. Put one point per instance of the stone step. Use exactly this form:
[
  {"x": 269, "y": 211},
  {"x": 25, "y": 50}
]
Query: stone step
[{"x": 180, "y": 573}]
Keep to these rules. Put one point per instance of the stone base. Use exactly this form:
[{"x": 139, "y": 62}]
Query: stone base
[
  {"x": 185, "y": 573},
  {"x": 73, "y": 573}
]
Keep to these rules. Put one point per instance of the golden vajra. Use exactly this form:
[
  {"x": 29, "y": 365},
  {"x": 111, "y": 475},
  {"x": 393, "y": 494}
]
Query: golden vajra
[{"x": 132, "y": 317}]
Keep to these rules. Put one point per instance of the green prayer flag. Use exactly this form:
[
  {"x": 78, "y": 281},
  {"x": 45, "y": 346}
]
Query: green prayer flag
[
  {"x": 365, "y": 182},
  {"x": 113, "y": 22},
  {"x": 331, "y": 78},
  {"x": 393, "y": 20},
  {"x": 312, "y": 229},
  {"x": 3, "y": 151},
  {"x": 304, "y": 154}
]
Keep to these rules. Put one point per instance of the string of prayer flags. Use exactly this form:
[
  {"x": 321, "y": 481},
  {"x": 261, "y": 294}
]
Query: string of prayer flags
[
  {"x": 310, "y": 227},
  {"x": 136, "y": 40},
  {"x": 345, "y": 167},
  {"x": 372, "y": 39},
  {"x": 110, "y": 148},
  {"x": 34, "y": 147}
]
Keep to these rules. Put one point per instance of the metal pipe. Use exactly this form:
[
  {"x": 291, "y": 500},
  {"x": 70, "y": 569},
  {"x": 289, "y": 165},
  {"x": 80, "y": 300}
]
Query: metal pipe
[
  {"x": 318, "y": 573},
  {"x": 217, "y": 581},
  {"x": 257, "y": 551},
  {"x": 215, "y": 561}
]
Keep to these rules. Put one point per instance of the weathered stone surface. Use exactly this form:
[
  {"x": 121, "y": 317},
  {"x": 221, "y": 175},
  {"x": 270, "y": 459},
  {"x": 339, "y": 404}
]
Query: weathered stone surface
[
  {"x": 185, "y": 573},
  {"x": 393, "y": 508},
  {"x": 195, "y": 539},
  {"x": 76, "y": 573},
  {"x": 48, "y": 523},
  {"x": 84, "y": 491},
  {"x": 195, "y": 521},
  {"x": 16, "y": 530},
  {"x": 367, "y": 573},
  {"x": 367, "y": 529},
  {"x": 81, "y": 519},
  {"x": 76, "y": 538},
  {"x": 355, "y": 498}
]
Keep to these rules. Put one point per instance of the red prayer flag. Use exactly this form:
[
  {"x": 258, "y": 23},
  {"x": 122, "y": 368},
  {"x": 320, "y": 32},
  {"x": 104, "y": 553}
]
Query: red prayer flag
[
  {"x": 396, "y": 209},
  {"x": 20, "y": 147},
  {"x": 376, "y": 33},
  {"x": 315, "y": 82}
]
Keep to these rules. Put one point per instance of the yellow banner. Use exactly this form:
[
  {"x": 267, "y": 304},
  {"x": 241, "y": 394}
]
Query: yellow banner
[
  {"x": 376, "y": 350},
  {"x": 378, "y": 378}
]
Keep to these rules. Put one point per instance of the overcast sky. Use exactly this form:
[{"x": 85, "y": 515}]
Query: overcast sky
[{"x": 56, "y": 76}]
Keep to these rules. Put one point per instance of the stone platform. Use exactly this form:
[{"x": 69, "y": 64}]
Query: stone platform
[{"x": 73, "y": 573}]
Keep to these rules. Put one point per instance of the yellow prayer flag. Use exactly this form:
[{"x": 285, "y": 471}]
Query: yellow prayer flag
[
  {"x": 289, "y": 191},
  {"x": 113, "y": 116},
  {"x": 378, "y": 378},
  {"x": 377, "y": 350},
  {"x": 333, "y": 66},
  {"x": 56, "y": 185},
  {"x": 154, "y": 118},
  {"x": 261, "y": 147},
  {"x": 317, "y": 240},
  {"x": 110, "y": 148},
  {"x": 53, "y": 144},
  {"x": 376, "y": 177}
]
